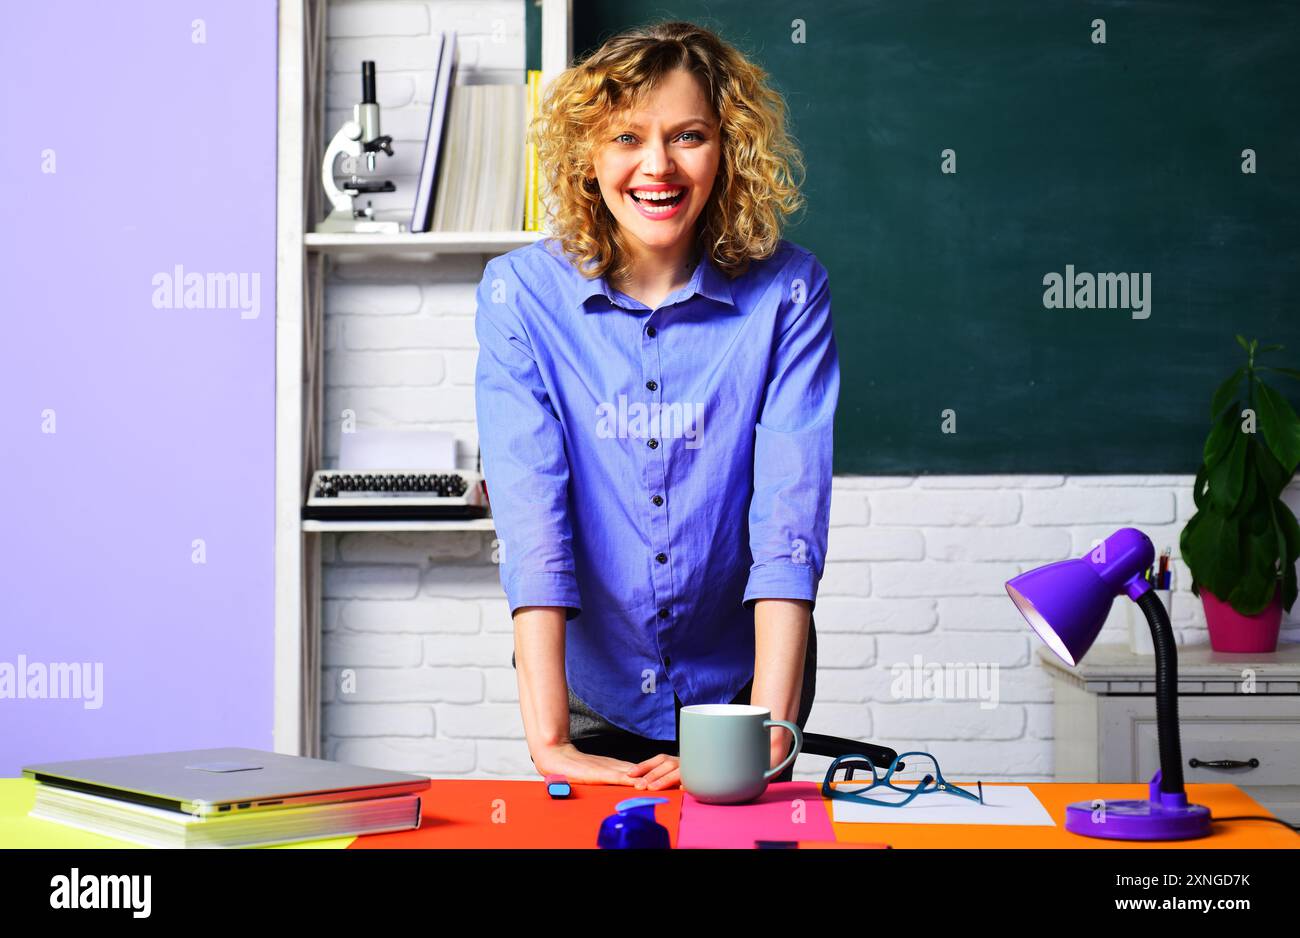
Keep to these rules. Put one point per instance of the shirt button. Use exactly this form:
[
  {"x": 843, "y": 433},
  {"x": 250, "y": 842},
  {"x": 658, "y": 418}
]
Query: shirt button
[
  {"x": 653, "y": 444},
  {"x": 667, "y": 661},
  {"x": 650, "y": 331},
  {"x": 663, "y": 613},
  {"x": 662, "y": 558},
  {"x": 651, "y": 385},
  {"x": 658, "y": 499}
]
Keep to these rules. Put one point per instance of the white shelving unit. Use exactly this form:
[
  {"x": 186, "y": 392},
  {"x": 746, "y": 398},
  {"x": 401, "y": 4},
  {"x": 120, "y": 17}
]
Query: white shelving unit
[{"x": 301, "y": 260}]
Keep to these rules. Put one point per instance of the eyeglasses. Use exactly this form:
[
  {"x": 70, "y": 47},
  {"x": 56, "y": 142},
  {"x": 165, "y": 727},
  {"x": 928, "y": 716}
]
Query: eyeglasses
[{"x": 918, "y": 771}]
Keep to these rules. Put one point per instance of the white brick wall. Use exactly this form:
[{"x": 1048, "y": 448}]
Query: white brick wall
[
  {"x": 420, "y": 621},
  {"x": 417, "y": 635}
]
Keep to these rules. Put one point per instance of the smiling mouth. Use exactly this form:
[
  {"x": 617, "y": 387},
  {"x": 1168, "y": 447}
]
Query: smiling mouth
[{"x": 657, "y": 201}]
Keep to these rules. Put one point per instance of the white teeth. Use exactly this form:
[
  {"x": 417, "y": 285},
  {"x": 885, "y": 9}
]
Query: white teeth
[{"x": 658, "y": 196}]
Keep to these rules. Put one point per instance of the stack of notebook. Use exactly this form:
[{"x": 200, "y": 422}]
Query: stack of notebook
[{"x": 224, "y": 798}]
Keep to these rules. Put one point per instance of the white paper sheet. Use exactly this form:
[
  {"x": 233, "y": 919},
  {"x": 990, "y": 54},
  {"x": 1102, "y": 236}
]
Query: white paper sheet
[
  {"x": 415, "y": 450},
  {"x": 1003, "y": 804}
]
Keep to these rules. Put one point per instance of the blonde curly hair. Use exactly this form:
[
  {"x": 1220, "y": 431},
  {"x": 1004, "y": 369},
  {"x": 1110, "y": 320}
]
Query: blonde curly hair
[{"x": 759, "y": 172}]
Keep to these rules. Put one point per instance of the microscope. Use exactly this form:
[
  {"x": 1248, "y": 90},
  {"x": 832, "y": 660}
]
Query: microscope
[{"x": 357, "y": 137}]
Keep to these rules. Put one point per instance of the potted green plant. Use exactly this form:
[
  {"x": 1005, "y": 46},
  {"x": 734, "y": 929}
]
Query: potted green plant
[{"x": 1243, "y": 541}]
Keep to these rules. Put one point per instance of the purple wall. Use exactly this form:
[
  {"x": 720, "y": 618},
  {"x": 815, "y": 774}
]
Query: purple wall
[{"x": 164, "y": 151}]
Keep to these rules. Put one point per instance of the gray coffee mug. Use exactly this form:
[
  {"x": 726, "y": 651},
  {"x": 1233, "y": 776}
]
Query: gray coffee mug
[{"x": 725, "y": 749}]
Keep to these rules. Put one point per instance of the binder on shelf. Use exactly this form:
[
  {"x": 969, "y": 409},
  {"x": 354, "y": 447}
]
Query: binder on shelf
[{"x": 532, "y": 199}]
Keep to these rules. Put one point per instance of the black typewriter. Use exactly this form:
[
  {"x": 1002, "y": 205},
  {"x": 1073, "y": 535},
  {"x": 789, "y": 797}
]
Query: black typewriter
[{"x": 391, "y": 495}]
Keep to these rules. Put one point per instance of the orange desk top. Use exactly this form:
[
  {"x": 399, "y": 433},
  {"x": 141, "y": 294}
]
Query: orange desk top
[
  {"x": 487, "y": 813},
  {"x": 474, "y": 813}
]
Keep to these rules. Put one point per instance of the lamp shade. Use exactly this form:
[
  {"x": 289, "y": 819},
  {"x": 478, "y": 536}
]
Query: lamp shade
[{"x": 1067, "y": 602}]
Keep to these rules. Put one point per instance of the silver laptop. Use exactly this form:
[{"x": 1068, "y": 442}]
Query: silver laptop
[{"x": 224, "y": 781}]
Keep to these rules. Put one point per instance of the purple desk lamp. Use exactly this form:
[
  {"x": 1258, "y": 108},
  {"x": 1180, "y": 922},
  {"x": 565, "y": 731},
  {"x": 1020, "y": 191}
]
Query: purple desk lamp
[{"x": 1066, "y": 603}]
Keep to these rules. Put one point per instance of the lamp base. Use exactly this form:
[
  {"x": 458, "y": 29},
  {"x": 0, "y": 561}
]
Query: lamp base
[{"x": 1165, "y": 816}]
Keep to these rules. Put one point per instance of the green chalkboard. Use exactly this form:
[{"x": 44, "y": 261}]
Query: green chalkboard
[{"x": 1115, "y": 157}]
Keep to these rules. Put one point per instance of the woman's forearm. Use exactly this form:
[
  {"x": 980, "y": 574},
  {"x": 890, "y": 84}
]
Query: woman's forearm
[
  {"x": 780, "y": 645},
  {"x": 539, "y": 665}
]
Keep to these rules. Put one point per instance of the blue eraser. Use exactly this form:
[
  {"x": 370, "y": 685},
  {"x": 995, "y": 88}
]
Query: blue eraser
[{"x": 557, "y": 786}]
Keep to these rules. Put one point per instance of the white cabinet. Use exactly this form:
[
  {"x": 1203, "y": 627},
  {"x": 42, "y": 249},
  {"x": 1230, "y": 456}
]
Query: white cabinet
[{"x": 1231, "y": 708}]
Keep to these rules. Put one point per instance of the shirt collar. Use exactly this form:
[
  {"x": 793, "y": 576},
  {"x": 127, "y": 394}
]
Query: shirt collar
[{"x": 707, "y": 280}]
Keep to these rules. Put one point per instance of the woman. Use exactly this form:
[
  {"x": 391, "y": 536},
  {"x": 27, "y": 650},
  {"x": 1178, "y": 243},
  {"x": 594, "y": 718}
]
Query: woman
[{"x": 656, "y": 389}]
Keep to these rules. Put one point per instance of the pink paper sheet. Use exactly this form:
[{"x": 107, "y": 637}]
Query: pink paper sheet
[{"x": 786, "y": 811}]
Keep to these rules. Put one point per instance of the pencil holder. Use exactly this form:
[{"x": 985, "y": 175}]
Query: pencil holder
[{"x": 1139, "y": 633}]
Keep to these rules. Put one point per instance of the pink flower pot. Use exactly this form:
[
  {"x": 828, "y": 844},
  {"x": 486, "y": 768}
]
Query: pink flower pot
[{"x": 1232, "y": 631}]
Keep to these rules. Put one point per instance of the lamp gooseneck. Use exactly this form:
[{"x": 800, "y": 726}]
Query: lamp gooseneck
[{"x": 1162, "y": 635}]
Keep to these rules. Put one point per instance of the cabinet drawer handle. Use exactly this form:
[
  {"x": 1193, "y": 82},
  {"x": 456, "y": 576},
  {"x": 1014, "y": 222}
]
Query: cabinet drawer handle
[{"x": 1224, "y": 764}]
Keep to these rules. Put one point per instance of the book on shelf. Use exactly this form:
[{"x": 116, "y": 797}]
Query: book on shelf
[
  {"x": 478, "y": 171},
  {"x": 163, "y": 827},
  {"x": 482, "y": 185},
  {"x": 444, "y": 69}
]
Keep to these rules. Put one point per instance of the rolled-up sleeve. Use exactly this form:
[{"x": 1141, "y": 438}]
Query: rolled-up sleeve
[
  {"x": 524, "y": 461},
  {"x": 789, "y": 512}
]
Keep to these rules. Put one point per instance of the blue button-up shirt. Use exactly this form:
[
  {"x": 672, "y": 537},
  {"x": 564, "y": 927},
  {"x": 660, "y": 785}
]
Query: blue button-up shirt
[{"x": 657, "y": 471}]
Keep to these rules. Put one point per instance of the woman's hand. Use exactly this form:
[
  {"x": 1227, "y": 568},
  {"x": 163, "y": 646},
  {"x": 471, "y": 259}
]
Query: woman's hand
[
  {"x": 582, "y": 768},
  {"x": 658, "y": 772}
]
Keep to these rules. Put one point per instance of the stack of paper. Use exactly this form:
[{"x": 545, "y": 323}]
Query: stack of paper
[{"x": 1013, "y": 805}]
